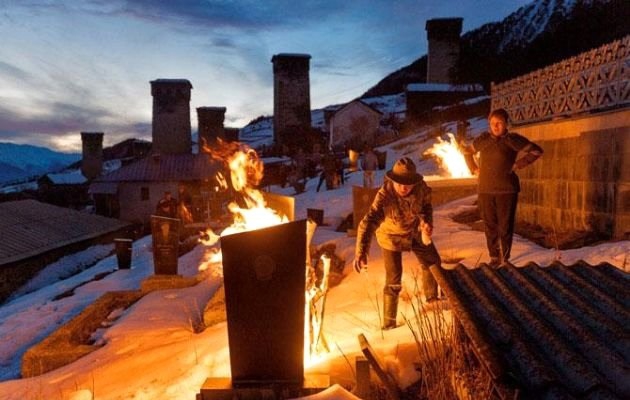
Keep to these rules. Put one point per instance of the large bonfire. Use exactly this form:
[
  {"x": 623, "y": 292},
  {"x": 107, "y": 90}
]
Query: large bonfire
[{"x": 250, "y": 212}]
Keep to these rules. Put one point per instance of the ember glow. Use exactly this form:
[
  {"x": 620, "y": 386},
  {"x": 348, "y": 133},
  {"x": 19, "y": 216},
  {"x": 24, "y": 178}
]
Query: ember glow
[
  {"x": 315, "y": 345},
  {"x": 450, "y": 157}
]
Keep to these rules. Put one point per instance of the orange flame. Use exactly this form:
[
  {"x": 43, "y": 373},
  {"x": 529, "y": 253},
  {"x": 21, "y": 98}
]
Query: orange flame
[
  {"x": 184, "y": 213},
  {"x": 246, "y": 171},
  {"x": 450, "y": 157}
]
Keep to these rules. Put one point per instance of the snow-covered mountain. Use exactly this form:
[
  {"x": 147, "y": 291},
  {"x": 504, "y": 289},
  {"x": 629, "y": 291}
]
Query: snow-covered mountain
[
  {"x": 538, "y": 34},
  {"x": 22, "y": 161}
]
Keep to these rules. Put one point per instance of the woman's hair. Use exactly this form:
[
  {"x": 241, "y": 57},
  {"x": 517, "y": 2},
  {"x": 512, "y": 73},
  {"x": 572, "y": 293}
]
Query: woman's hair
[{"x": 500, "y": 113}]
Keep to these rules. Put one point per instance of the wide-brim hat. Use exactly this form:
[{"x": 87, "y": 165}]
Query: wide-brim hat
[{"x": 404, "y": 172}]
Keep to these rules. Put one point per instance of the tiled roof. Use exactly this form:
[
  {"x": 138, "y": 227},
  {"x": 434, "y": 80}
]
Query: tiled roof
[
  {"x": 166, "y": 167},
  {"x": 29, "y": 228},
  {"x": 549, "y": 332}
]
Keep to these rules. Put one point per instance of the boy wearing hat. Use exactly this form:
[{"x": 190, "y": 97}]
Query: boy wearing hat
[{"x": 401, "y": 215}]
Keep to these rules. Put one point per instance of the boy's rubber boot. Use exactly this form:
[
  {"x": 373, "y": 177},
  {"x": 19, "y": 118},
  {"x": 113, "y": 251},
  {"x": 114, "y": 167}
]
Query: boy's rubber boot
[{"x": 390, "y": 309}]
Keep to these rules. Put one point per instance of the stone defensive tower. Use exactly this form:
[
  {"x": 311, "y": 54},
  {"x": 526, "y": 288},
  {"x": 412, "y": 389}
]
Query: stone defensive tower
[
  {"x": 92, "y": 154},
  {"x": 291, "y": 97},
  {"x": 443, "y": 36},
  {"x": 210, "y": 125},
  {"x": 171, "y": 116}
]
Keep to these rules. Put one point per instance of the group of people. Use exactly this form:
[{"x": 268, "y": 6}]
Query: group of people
[
  {"x": 401, "y": 215},
  {"x": 333, "y": 169}
]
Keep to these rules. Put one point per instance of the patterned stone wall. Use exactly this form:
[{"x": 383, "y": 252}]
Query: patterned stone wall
[
  {"x": 578, "y": 110},
  {"x": 595, "y": 80},
  {"x": 171, "y": 116}
]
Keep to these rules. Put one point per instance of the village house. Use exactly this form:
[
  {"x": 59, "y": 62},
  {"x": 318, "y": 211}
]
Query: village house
[
  {"x": 132, "y": 192},
  {"x": 422, "y": 98},
  {"x": 354, "y": 125},
  {"x": 440, "y": 88},
  {"x": 65, "y": 189}
]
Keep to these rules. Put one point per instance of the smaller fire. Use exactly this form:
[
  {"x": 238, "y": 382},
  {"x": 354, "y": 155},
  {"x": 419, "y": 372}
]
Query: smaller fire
[{"x": 450, "y": 157}]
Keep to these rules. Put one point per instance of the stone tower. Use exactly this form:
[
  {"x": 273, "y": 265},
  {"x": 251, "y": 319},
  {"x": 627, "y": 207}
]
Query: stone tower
[
  {"x": 92, "y": 158},
  {"x": 291, "y": 97},
  {"x": 443, "y": 36},
  {"x": 171, "y": 116},
  {"x": 210, "y": 124}
]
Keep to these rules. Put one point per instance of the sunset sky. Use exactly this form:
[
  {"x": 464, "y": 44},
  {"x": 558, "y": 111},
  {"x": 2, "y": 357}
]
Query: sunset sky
[{"x": 72, "y": 66}]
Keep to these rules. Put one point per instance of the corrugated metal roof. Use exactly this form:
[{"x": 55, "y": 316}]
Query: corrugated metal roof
[
  {"x": 166, "y": 167},
  {"x": 29, "y": 228},
  {"x": 550, "y": 332}
]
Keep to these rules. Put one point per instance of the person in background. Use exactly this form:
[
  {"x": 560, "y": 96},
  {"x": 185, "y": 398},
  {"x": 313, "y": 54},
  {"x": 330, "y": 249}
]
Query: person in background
[
  {"x": 167, "y": 206},
  {"x": 184, "y": 204},
  {"x": 328, "y": 170},
  {"x": 401, "y": 215},
  {"x": 183, "y": 196},
  {"x": 369, "y": 163},
  {"x": 339, "y": 167},
  {"x": 499, "y": 185}
]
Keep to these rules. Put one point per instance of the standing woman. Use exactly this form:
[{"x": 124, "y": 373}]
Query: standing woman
[{"x": 499, "y": 185}]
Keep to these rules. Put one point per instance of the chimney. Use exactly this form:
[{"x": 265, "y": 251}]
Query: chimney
[
  {"x": 443, "y": 55},
  {"x": 171, "y": 116},
  {"x": 210, "y": 125},
  {"x": 291, "y": 98},
  {"x": 92, "y": 162}
]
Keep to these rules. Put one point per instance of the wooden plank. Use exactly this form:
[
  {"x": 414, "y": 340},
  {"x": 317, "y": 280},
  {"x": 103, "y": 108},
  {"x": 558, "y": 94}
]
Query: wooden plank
[{"x": 390, "y": 384}]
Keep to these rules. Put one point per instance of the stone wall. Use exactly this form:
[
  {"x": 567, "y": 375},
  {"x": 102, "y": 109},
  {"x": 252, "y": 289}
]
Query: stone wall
[
  {"x": 291, "y": 97},
  {"x": 210, "y": 125},
  {"x": 354, "y": 124},
  {"x": 582, "y": 182},
  {"x": 92, "y": 158},
  {"x": 136, "y": 209},
  {"x": 443, "y": 36},
  {"x": 171, "y": 127}
]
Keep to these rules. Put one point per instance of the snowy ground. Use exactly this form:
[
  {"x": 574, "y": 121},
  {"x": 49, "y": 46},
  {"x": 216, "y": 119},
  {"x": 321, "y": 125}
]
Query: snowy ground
[{"x": 151, "y": 351}]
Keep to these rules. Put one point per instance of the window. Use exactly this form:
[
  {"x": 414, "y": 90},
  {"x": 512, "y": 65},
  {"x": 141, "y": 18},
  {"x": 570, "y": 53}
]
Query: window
[{"x": 144, "y": 193}]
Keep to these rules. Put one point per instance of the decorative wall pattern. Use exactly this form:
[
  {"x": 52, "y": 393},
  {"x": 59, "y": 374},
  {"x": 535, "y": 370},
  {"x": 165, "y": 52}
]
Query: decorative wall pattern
[{"x": 595, "y": 80}]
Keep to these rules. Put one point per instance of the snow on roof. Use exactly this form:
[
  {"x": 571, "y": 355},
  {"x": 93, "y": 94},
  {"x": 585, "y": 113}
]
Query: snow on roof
[
  {"x": 444, "y": 87},
  {"x": 302, "y": 55},
  {"x": 275, "y": 160},
  {"x": 67, "y": 178},
  {"x": 184, "y": 81},
  {"x": 165, "y": 167}
]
